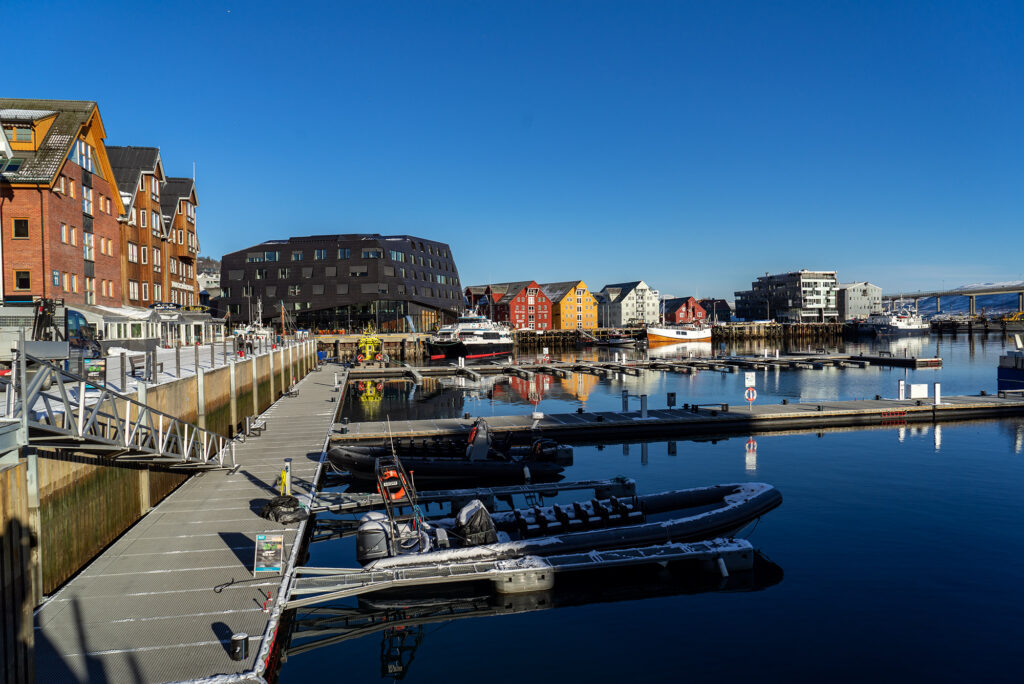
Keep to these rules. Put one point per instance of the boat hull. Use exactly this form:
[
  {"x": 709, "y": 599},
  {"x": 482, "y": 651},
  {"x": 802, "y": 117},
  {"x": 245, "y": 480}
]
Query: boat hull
[
  {"x": 741, "y": 505},
  {"x": 360, "y": 462},
  {"x": 675, "y": 335},
  {"x": 458, "y": 349}
]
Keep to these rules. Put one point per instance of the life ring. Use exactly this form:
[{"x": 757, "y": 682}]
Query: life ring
[
  {"x": 395, "y": 495},
  {"x": 378, "y": 357},
  {"x": 360, "y": 358},
  {"x": 472, "y": 434},
  {"x": 361, "y": 386},
  {"x": 380, "y": 386}
]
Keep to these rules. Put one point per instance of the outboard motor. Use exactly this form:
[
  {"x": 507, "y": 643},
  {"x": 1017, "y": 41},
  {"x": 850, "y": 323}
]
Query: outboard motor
[
  {"x": 474, "y": 524},
  {"x": 373, "y": 541}
]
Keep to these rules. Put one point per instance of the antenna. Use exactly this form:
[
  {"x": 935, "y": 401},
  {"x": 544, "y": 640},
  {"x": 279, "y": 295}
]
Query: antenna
[{"x": 193, "y": 170}]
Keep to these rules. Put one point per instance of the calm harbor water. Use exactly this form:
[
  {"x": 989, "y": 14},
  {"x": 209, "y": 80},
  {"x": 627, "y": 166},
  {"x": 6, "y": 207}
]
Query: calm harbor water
[{"x": 897, "y": 553}]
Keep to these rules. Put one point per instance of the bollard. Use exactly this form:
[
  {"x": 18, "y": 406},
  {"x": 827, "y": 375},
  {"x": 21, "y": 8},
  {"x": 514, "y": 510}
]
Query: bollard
[
  {"x": 248, "y": 425},
  {"x": 196, "y": 347},
  {"x": 670, "y": 400},
  {"x": 288, "y": 477},
  {"x": 643, "y": 405},
  {"x": 239, "y": 646},
  {"x": 177, "y": 361},
  {"x": 938, "y": 394},
  {"x": 213, "y": 355},
  {"x": 625, "y": 401}
]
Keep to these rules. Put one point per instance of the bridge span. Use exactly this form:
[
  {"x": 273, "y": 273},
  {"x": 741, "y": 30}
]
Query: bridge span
[{"x": 969, "y": 292}]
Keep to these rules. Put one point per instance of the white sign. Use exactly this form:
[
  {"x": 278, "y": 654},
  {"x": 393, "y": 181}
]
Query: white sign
[
  {"x": 749, "y": 379},
  {"x": 918, "y": 391}
]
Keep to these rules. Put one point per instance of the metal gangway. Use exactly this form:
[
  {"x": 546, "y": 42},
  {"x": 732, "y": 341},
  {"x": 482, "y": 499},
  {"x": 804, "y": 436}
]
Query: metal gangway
[
  {"x": 312, "y": 586},
  {"x": 59, "y": 409}
]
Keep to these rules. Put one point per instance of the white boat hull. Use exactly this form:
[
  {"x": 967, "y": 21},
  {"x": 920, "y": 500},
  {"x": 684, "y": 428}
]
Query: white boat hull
[{"x": 667, "y": 335}]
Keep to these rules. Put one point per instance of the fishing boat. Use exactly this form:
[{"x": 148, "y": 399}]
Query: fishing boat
[
  {"x": 1010, "y": 374},
  {"x": 478, "y": 460},
  {"x": 901, "y": 321},
  {"x": 391, "y": 539},
  {"x": 673, "y": 334},
  {"x": 471, "y": 337}
]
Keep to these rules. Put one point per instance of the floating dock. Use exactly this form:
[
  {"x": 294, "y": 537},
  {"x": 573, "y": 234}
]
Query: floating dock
[
  {"x": 513, "y": 575},
  {"x": 163, "y": 601},
  {"x": 705, "y": 420},
  {"x": 721, "y": 364}
]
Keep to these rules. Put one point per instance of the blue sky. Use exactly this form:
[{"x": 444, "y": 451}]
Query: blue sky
[{"x": 693, "y": 145}]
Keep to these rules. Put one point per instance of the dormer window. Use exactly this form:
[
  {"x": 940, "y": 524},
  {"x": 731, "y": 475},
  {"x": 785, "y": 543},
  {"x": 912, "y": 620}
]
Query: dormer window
[{"x": 19, "y": 134}]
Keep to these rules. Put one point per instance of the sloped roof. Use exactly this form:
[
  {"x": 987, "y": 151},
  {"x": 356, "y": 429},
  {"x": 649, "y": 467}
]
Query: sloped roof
[
  {"x": 129, "y": 163},
  {"x": 512, "y": 288},
  {"x": 172, "y": 190},
  {"x": 672, "y": 304},
  {"x": 556, "y": 292},
  {"x": 42, "y": 164}
]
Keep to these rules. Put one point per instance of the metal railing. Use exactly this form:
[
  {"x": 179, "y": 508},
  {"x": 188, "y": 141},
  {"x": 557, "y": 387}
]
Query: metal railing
[{"x": 62, "y": 410}]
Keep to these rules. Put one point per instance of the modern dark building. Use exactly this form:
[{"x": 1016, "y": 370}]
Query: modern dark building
[{"x": 343, "y": 282}]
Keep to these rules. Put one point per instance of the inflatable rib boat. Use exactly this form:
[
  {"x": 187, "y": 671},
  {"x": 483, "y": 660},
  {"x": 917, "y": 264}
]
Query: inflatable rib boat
[
  {"x": 479, "y": 460},
  {"x": 385, "y": 541}
]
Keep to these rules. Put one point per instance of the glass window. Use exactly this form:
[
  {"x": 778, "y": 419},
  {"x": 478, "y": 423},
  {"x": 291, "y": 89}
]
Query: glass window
[
  {"x": 318, "y": 288},
  {"x": 344, "y": 253},
  {"x": 359, "y": 271},
  {"x": 270, "y": 256},
  {"x": 319, "y": 254},
  {"x": 331, "y": 271},
  {"x": 307, "y": 271},
  {"x": 20, "y": 228},
  {"x": 297, "y": 256},
  {"x": 373, "y": 253},
  {"x": 284, "y": 273}
]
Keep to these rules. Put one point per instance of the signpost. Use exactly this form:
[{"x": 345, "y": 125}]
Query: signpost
[{"x": 269, "y": 553}]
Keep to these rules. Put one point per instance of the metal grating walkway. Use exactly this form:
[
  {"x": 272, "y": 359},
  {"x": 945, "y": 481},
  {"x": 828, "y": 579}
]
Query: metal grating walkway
[{"x": 146, "y": 609}]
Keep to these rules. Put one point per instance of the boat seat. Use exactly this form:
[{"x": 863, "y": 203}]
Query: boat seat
[
  {"x": 581, "y": 513},
  {"x": 601, "y": 510}
]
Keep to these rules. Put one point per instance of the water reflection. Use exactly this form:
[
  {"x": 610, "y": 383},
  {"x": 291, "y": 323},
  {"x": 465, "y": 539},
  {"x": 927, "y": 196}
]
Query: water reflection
[{"x": 401, "y": 620}]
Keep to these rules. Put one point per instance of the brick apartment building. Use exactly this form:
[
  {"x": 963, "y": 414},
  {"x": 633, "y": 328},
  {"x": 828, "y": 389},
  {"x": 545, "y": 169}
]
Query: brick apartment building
[
  {"x": 59, "y": 204},
  {"x": 87, "y": 223},
  {"x": 523, "y": 304}
]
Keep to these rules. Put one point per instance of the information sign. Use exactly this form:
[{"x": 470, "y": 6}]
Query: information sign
[
  {"x": 749, "y": 379},
  {"x": 95, "y": 371},
  {"x": 269, "y": 553}
]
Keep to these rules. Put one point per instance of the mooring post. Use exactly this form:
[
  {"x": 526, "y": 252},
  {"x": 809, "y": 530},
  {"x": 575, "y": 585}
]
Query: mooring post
[
  {"x": 200, "y": 396},
  {"x": 643, "y": 407},
  {"x": 196, "y": 347},
  {"x": 272, "y": 395},
  {"x": 287, "y": 477},
  {"x": 625, "y": 401},
  {"x": 213, "y": 355},
  {"x": 34, "y": 522},
  {"x": 233, "y": 387},
  {"x": 255, "y": 388},
  {"x": 177, "y": 361}
]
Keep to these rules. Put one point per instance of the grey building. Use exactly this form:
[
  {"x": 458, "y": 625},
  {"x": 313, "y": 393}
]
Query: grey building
[
  {"x": 797, "y": 297},
  {"x": 624, "y": 304},
  {"x": 857, "y": 301},
  {"x": 335, "y": 282}
]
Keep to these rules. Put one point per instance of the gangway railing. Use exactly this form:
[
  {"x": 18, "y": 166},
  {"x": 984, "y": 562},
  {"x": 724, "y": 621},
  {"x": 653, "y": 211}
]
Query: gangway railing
[{"x": 62, "y": 410}]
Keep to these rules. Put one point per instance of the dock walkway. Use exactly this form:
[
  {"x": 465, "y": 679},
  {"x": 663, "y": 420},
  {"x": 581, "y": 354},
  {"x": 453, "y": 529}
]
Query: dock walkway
[
  {"x": 154, "y": 606},
  {"x": 707, "y": 420}
]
